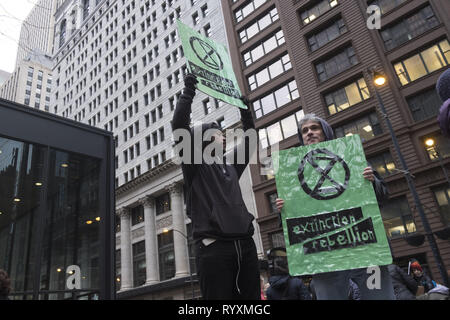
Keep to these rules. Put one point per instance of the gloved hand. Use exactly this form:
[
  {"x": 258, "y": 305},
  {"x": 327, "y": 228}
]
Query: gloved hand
[
  {"x": 245, "y": 112},
  {"x": 190, "y": 81}
]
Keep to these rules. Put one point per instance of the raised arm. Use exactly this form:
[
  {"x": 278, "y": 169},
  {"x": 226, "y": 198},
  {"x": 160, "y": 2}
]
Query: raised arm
[{"x": 245, "y": 146}]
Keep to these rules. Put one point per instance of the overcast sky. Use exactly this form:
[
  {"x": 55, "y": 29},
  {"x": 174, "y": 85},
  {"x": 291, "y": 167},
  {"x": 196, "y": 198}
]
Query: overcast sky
[{"x": 11, "y": 11}]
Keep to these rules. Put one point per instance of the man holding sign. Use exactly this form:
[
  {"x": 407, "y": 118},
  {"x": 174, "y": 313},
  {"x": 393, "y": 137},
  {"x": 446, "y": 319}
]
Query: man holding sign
[
  {"x": 331, "y": 242},
  {"x": 226, "y": 256}
]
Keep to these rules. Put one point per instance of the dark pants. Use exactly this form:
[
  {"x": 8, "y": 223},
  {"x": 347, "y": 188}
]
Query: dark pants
[{"x": 228, "y": 270}]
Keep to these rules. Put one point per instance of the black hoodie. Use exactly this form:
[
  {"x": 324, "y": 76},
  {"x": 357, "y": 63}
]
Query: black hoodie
[{"x": 213, "y": 196}]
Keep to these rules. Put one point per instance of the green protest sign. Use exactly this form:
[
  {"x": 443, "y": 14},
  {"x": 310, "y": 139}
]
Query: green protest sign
[
  {"x": 331, "y": 219},
  {"x": 210, "y": 62}
]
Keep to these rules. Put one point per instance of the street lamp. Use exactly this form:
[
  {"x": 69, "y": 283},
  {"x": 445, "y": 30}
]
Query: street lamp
[
  {"x": 379, "y": 79},
  {"x": 165, "y": 230}
]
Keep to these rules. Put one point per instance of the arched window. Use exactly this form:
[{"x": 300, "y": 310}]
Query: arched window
[
  {"x": 85, "y": 9},
  {"x": 62, "y": 34}
]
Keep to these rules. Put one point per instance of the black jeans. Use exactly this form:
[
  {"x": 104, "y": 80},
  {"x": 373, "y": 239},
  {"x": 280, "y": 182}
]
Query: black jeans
[{"x": 228, "y": 270}]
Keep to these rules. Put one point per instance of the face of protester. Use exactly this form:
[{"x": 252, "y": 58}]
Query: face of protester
[
  {"x": 417, "y": 272},
  {"x": 219, "y": 138},
  {"x": 312, "y": 133}
]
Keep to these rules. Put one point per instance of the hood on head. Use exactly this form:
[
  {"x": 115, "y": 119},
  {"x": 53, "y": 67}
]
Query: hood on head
[
  {"x": 203, "y": 127},
  {"x": 327, "y": 130},
  {"x": 279, "y": 281}
]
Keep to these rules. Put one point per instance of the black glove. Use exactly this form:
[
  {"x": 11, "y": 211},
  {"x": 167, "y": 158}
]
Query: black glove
[
  {"x": 190, "y": 81},
  {"x": 245, "y": 112}
]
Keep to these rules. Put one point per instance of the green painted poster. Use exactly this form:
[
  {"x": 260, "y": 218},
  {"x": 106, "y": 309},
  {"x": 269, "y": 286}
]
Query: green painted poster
[
  {"x": 331, "y": 219},
  {"x": 210, "y": 62}
]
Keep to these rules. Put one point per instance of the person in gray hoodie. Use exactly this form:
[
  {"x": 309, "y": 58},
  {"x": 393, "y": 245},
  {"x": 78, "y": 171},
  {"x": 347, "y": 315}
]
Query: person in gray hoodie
[{"x": 335, "y": 285}]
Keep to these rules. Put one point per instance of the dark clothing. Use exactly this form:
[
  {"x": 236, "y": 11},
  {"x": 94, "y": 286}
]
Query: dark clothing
[
  {"x": 285, "y": 287},
  {"x": 405, "y": 287},
  {"x": 354, "y": 292},
  {"x": 3, "y": 297},
  {"x": 424, "y": 281},
  {"x": 213, "y": 196},
  {"x": 228, "y": 270}
]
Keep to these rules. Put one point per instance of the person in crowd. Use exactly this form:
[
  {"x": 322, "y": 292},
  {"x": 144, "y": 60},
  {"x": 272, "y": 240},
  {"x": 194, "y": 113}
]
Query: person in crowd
[
  {"x": 421, "y": 277},
  {"x": 335, "y": 285},
  {"x": 354, "y": 293},
  {"x": 283, "y": 286},
  {"x": 405, "y": 287},
  {"x": 263, "y": 293},
  {"x": 5, "y": 285},
  {"x": 443, "y": 89},
  {"x": 439, "y": 292},
  {"x": 222, "y": 226}
]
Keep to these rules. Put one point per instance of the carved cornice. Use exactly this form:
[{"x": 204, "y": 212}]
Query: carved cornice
[{"x": 147, "y": 177}]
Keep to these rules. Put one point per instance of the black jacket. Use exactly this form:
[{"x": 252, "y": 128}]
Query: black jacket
[
  {"x": 285, "y": 287},
  {"x": 213, "y": 196},
  {"x": 405, "y": 287},
  {"x": 424, "y": 281}
]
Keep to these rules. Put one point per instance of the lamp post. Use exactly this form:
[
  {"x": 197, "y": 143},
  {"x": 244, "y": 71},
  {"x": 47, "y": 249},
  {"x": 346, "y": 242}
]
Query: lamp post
[
  {"x": 379, "y": 79},
  {"x": 190, "y": 269}
]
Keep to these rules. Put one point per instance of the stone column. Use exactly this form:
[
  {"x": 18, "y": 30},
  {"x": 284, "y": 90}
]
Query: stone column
[
  {"x": 179, "y": 233},
  {"x": 126, "y": 254},
  {"x": 151, "y": 240}
]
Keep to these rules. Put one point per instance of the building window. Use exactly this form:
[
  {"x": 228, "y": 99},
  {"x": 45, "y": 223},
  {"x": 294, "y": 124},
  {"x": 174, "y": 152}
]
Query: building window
[
  {"x": 382, "y": 163},
  {"x": 322, "y": 37},
  {"x": 207, "y": 106},
  {"x": 166, "y": 255},
  {"x": 424, "y": 105},
  {"x": 397, "y": 217},
  {"x": 264, "y": 48},
  {"x": 280, "y": 130},
  {"x": 207, "y": 30},
  {"x": 367, "y": 127},
  {"x": 204, "y": 10},
  {"x": 347, "y": 96},
  {"x": 440, "y": 148},
  {"x": 118, "y": 270},
  {"x": 442, "y": 195},
  {"x": 162, "y": 204},
  {"x": 62, "y": 35},
  {"x": 139, "y": 265},
  {"x": 336, "y": 64},
  {"x": 137, "y": 215},
  {"x": 423, "y": 63},
  {"x": 85, "y": 9},
  {"x": 263, "y": 22},
  {"x": 247, "y": 9},
  {"x": 277, "y": 99},
  {"x": 195, "y": 18},
  {"x": 409, "y": 28},
  {"x": 272, "y": 197},
  {"x": 270, "y": 72},
  {"x": 387, "y": 5},
  {"x": 316, "y": 11},
  {"x": 278, "y": 240}
]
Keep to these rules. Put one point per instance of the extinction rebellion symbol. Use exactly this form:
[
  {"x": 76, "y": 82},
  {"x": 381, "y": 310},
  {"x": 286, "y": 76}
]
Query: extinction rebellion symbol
[
  {"x": 206, "y": 53},
  {"x": 319, "y": 191}
]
